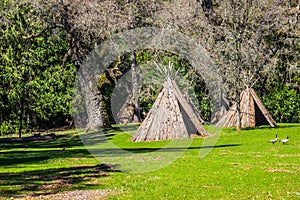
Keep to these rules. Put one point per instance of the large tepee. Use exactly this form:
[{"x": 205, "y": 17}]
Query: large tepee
[
  {"x": 253, "y": 112},
  {"x": 171, "y": 117}
]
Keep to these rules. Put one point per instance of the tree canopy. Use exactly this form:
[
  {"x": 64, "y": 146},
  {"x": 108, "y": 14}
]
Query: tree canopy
[{"x": 43, "y": 44}]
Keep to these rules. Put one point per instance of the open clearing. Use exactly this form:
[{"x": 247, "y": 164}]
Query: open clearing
[{"x": 241, "y": 166}]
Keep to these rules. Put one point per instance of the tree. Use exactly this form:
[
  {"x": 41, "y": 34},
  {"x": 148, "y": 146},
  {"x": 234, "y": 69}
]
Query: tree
[
  {"x": 250, "y": 41},
  {"x": 35, "y": 89},
  {"x": 140, "y": 14},
  {"x": 248, "y": 54},
  {"x": 244, "y": 38},
  {"x": 88, "y": 23}
]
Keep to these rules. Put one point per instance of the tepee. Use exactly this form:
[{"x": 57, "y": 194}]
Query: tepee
[
  {"x": 253, "y": 112},
  {"x": 127, "y": 112},
  {"x": 171, "y": 117}
]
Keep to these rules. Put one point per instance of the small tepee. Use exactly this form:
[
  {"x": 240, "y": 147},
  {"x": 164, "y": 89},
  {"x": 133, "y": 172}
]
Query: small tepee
[
  {"x": 253, "y": 112},
  {"x": 128, "y": 112},
  {"x": 171, "y": 117}
]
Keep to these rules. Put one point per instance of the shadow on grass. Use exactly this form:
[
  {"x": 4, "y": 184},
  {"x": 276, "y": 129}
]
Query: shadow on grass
[
  {"x": 66, "y": 146},
  {"x": 127, "y": 127},
  {"x": 264, "y": 127},
  {"x": 258, "y": 127},
  {"x": 31, "y": 156},
  {"x": 282, "y": 125},
  {"x": 60, "y": 141},
  {"x": 14, "y": 155},
  {"x": 50, "y": 181},
  {"x": 11, "y": 158},
  {"x": 116, "y": 151}
]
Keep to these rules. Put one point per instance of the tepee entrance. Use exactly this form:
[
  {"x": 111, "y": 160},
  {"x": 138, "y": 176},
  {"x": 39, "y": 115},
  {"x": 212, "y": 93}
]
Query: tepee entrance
[
  {"x": 171, "y": 117},
  {"x": 253, "y": 112}
]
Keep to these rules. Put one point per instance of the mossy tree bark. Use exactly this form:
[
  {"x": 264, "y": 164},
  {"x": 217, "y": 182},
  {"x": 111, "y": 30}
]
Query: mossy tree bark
[{"x": 135, "y": 91}]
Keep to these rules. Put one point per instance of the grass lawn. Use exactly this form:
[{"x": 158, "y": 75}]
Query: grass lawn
[{"x": 242, "y": 165}]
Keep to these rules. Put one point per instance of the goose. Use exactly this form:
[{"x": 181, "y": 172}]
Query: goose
[
  {"x": 274, "y": 140},
  {"x": 284, "y": 141}
]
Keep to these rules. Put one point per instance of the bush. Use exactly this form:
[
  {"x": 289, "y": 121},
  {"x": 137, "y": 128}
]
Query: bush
[
  {"x": 7, "y": 127},
  {"x": 284, "y": 105}
]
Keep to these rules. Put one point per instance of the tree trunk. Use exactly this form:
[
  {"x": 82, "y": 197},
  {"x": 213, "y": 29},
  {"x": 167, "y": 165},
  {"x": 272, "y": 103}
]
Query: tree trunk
[
  {"x": 21, "y": 118},
  {"x": 96, "y": 116},
  {"x": 238, "y": 115},
  {"x": 238, "y": 80},
  {"x": 135, "y": 95}
]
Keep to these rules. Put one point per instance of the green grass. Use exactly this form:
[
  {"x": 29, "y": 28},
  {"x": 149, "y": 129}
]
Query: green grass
[{"x": 243, "y": 165}]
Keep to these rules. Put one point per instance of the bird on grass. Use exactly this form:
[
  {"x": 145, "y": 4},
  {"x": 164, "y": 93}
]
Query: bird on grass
[
  {"x": 274, "y": 140},
  {"x": 284, "y": 141}
]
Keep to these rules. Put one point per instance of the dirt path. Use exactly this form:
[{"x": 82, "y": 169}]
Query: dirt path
[{"x": 72, "y": 195}]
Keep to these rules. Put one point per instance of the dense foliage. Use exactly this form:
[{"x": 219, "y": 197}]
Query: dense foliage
[
  {"x": 281, "y": 94},
  {"x": 43, "y": 43},
  {"x": 36, "y": 90}
]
